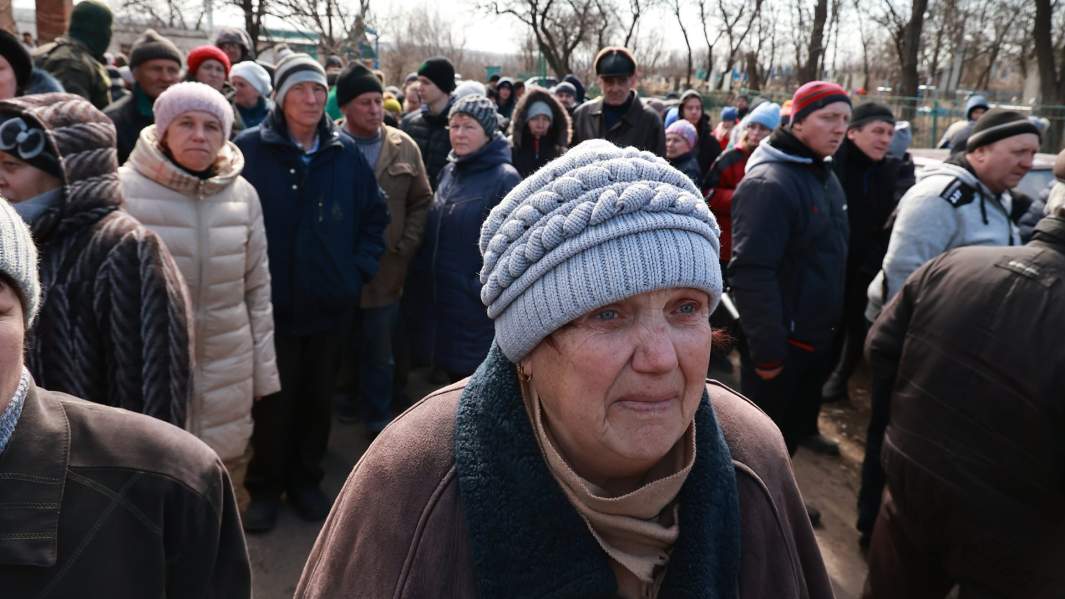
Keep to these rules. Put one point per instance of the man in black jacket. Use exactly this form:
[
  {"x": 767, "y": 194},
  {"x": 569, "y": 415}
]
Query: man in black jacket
[
  {"x": 619, "y": 116},
  {"x": 428, "y": 126},
  {"x": 156, "y": 65},
  {"x": 789, "y": 251},
  {"x": 974, "y": 454},
  {"x": 873, "y": 182}
]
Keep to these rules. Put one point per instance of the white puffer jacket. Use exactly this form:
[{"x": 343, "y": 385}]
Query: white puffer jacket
[{"x": 214, "y": 229}]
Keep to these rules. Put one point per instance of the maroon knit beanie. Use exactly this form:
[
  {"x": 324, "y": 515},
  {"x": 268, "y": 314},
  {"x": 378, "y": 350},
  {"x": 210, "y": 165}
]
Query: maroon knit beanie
[{"x": 815, "y": 95}]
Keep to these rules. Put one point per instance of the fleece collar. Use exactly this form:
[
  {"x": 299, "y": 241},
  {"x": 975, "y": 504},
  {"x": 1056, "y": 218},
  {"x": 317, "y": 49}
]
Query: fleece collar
[{"x": 515, "y": 509}]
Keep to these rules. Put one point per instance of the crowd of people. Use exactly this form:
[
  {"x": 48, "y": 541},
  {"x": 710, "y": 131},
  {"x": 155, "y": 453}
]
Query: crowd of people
[{"x": 205, "y": 258}]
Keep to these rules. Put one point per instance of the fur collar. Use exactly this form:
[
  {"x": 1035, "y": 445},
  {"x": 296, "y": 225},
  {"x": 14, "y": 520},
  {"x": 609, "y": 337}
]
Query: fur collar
[{"x": 528, "y": 541}]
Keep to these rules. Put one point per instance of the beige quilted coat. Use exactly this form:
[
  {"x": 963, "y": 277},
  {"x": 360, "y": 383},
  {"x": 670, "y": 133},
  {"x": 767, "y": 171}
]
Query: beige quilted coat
[{"x": 214, "y": 229}]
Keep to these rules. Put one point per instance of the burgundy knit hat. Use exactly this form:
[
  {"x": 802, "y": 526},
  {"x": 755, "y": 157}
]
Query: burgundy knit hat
[
  {"x": 198, "y": 55},
  {"x": 815, "y": 95}
]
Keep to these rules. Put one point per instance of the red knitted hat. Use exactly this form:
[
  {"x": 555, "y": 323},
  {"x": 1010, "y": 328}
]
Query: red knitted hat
[
  {"x": 812, "y": 96},
  {"x": 198, "y": 55}
]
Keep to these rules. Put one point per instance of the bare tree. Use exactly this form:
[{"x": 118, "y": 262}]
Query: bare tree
[
  {"x": 744, "y": 16},
  {"x": 415, "y": 34},
  {"x": 174, "y": 14},
  {"x": 560, "y": 27},
  {"x": 255, "y": 12},
  {"x": 675, "y": 7},
  {"x": 809, "y": 70},
  {"x": 1051, "y": 59},
  {"x": 905, "y": 31}
]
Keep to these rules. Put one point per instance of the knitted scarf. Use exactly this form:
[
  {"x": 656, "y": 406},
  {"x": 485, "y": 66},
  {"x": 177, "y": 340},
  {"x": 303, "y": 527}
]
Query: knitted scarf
[{"x": 527, "y": 539}]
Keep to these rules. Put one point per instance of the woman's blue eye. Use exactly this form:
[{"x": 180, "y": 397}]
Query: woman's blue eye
[
  {"x": 688, "y": 308},
  {"x": 606, "y": 315}
]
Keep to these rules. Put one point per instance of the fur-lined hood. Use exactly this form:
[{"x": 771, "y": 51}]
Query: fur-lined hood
[{"x": 561, "y": 130}]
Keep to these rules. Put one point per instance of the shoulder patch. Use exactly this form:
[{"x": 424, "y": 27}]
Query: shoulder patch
[{"x": 958, "y": 193}]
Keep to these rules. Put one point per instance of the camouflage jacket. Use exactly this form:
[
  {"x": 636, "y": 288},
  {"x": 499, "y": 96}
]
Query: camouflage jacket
[{"x": 71, "y": 63}]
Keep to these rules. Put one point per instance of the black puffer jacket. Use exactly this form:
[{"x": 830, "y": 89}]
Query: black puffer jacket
[
  {"x": 114, "y": 326},
  {"x": 430, "y": 133},
  {"x": 973, "y": 343},
  {"x": 873, "y": 190},
  {"x": 529, "y": 155},
  {"x": 789, "y": 250}
]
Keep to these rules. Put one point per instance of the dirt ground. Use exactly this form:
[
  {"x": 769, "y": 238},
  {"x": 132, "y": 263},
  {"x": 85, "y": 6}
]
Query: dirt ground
[{"x": 828, "y": 483}]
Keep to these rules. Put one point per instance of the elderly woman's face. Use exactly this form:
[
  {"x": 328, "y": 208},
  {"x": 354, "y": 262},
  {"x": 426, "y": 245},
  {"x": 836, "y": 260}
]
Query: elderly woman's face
[
  {"x": 620, "y": 385},
  {"x": 12, "y": 331}
]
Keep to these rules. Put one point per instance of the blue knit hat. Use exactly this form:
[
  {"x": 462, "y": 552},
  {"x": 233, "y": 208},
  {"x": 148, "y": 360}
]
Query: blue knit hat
[
  {"x": 595, "y": 226},
  {"x": 730, "y": 113},
  {"x": 766, "y": 114}
]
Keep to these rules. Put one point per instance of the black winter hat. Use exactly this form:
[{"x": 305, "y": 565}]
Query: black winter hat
[
  {"x": 440, "y": 71},
  {"x": 150, "y": 46},
  {"x": 615, "y": 62},
  {"x": 868, "y": 112},
  {"x": 354, "y": 81},
  {"x": 997, "y": 124},
  {"x": 17, "y": 56}
]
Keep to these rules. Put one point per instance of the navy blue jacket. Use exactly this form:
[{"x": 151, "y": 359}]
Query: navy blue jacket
[
  {"x": 325, "y": 223},
  {"x": 453, "y": 329},
  {"x": 789, "y": 250}
]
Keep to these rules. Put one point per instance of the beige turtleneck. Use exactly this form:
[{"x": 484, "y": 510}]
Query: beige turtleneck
[{"x": 636, "y": 530}]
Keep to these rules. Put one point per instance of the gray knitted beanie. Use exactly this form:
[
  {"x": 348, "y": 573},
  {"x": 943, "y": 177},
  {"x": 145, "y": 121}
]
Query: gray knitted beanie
[
  {"x": 18, "y": 260},
  {"x": 478, "y": 108},
  {"x": 593, "y": 227}
]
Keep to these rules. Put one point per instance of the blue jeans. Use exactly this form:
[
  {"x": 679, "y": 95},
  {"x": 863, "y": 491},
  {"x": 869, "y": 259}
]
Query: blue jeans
[{"x": 377, "y": 363}]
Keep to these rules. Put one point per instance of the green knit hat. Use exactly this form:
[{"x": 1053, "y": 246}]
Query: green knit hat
[{"x": 90, "y": 24}]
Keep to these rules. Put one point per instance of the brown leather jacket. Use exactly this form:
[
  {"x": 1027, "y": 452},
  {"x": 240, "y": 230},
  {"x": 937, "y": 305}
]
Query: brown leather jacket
[
  {"x": 973, "y": 341},
  {"x": 399, "y": 527},
  {"x": 102, "y": 502},
  {"x": 401, "y": 175},
  {"x": 640, "y": 126}
]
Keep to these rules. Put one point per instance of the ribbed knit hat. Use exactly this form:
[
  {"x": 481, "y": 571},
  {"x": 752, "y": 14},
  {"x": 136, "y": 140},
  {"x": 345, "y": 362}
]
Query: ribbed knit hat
[
  {"x": 729, "y": 113},
  {"x": 478, "y": 108},
  {"x": 440, "y": 71},
  {"x": 595, "y": 226},
  {"x": 198, "y": 55},
  {"x": 186, "y": 97},
  {"x": 815, "y": 95},
  {"x": 354, "y": 81},
  {"x": 254, "y": 74},
  {"x": 686, "y": 130},
  {"x": 998, "y": 124},
  {"x": 150, "y": 46},
  {"x": 18, "y": 260},
  {"x": 470, "y": 88},
  {"x": 296, "y": 68},
  {"x": 868, "y": 112}
]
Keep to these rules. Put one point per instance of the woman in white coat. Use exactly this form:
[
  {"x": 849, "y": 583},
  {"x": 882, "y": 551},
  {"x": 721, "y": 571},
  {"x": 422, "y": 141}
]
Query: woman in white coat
[{"x": 183, "y": 182}]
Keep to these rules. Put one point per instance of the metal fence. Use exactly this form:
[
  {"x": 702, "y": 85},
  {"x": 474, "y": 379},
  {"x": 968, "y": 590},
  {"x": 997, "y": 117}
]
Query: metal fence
[{"x": 931, "y": 116}]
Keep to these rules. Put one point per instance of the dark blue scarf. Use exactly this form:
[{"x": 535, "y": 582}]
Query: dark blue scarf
[{"x": 527, "y": 540}]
